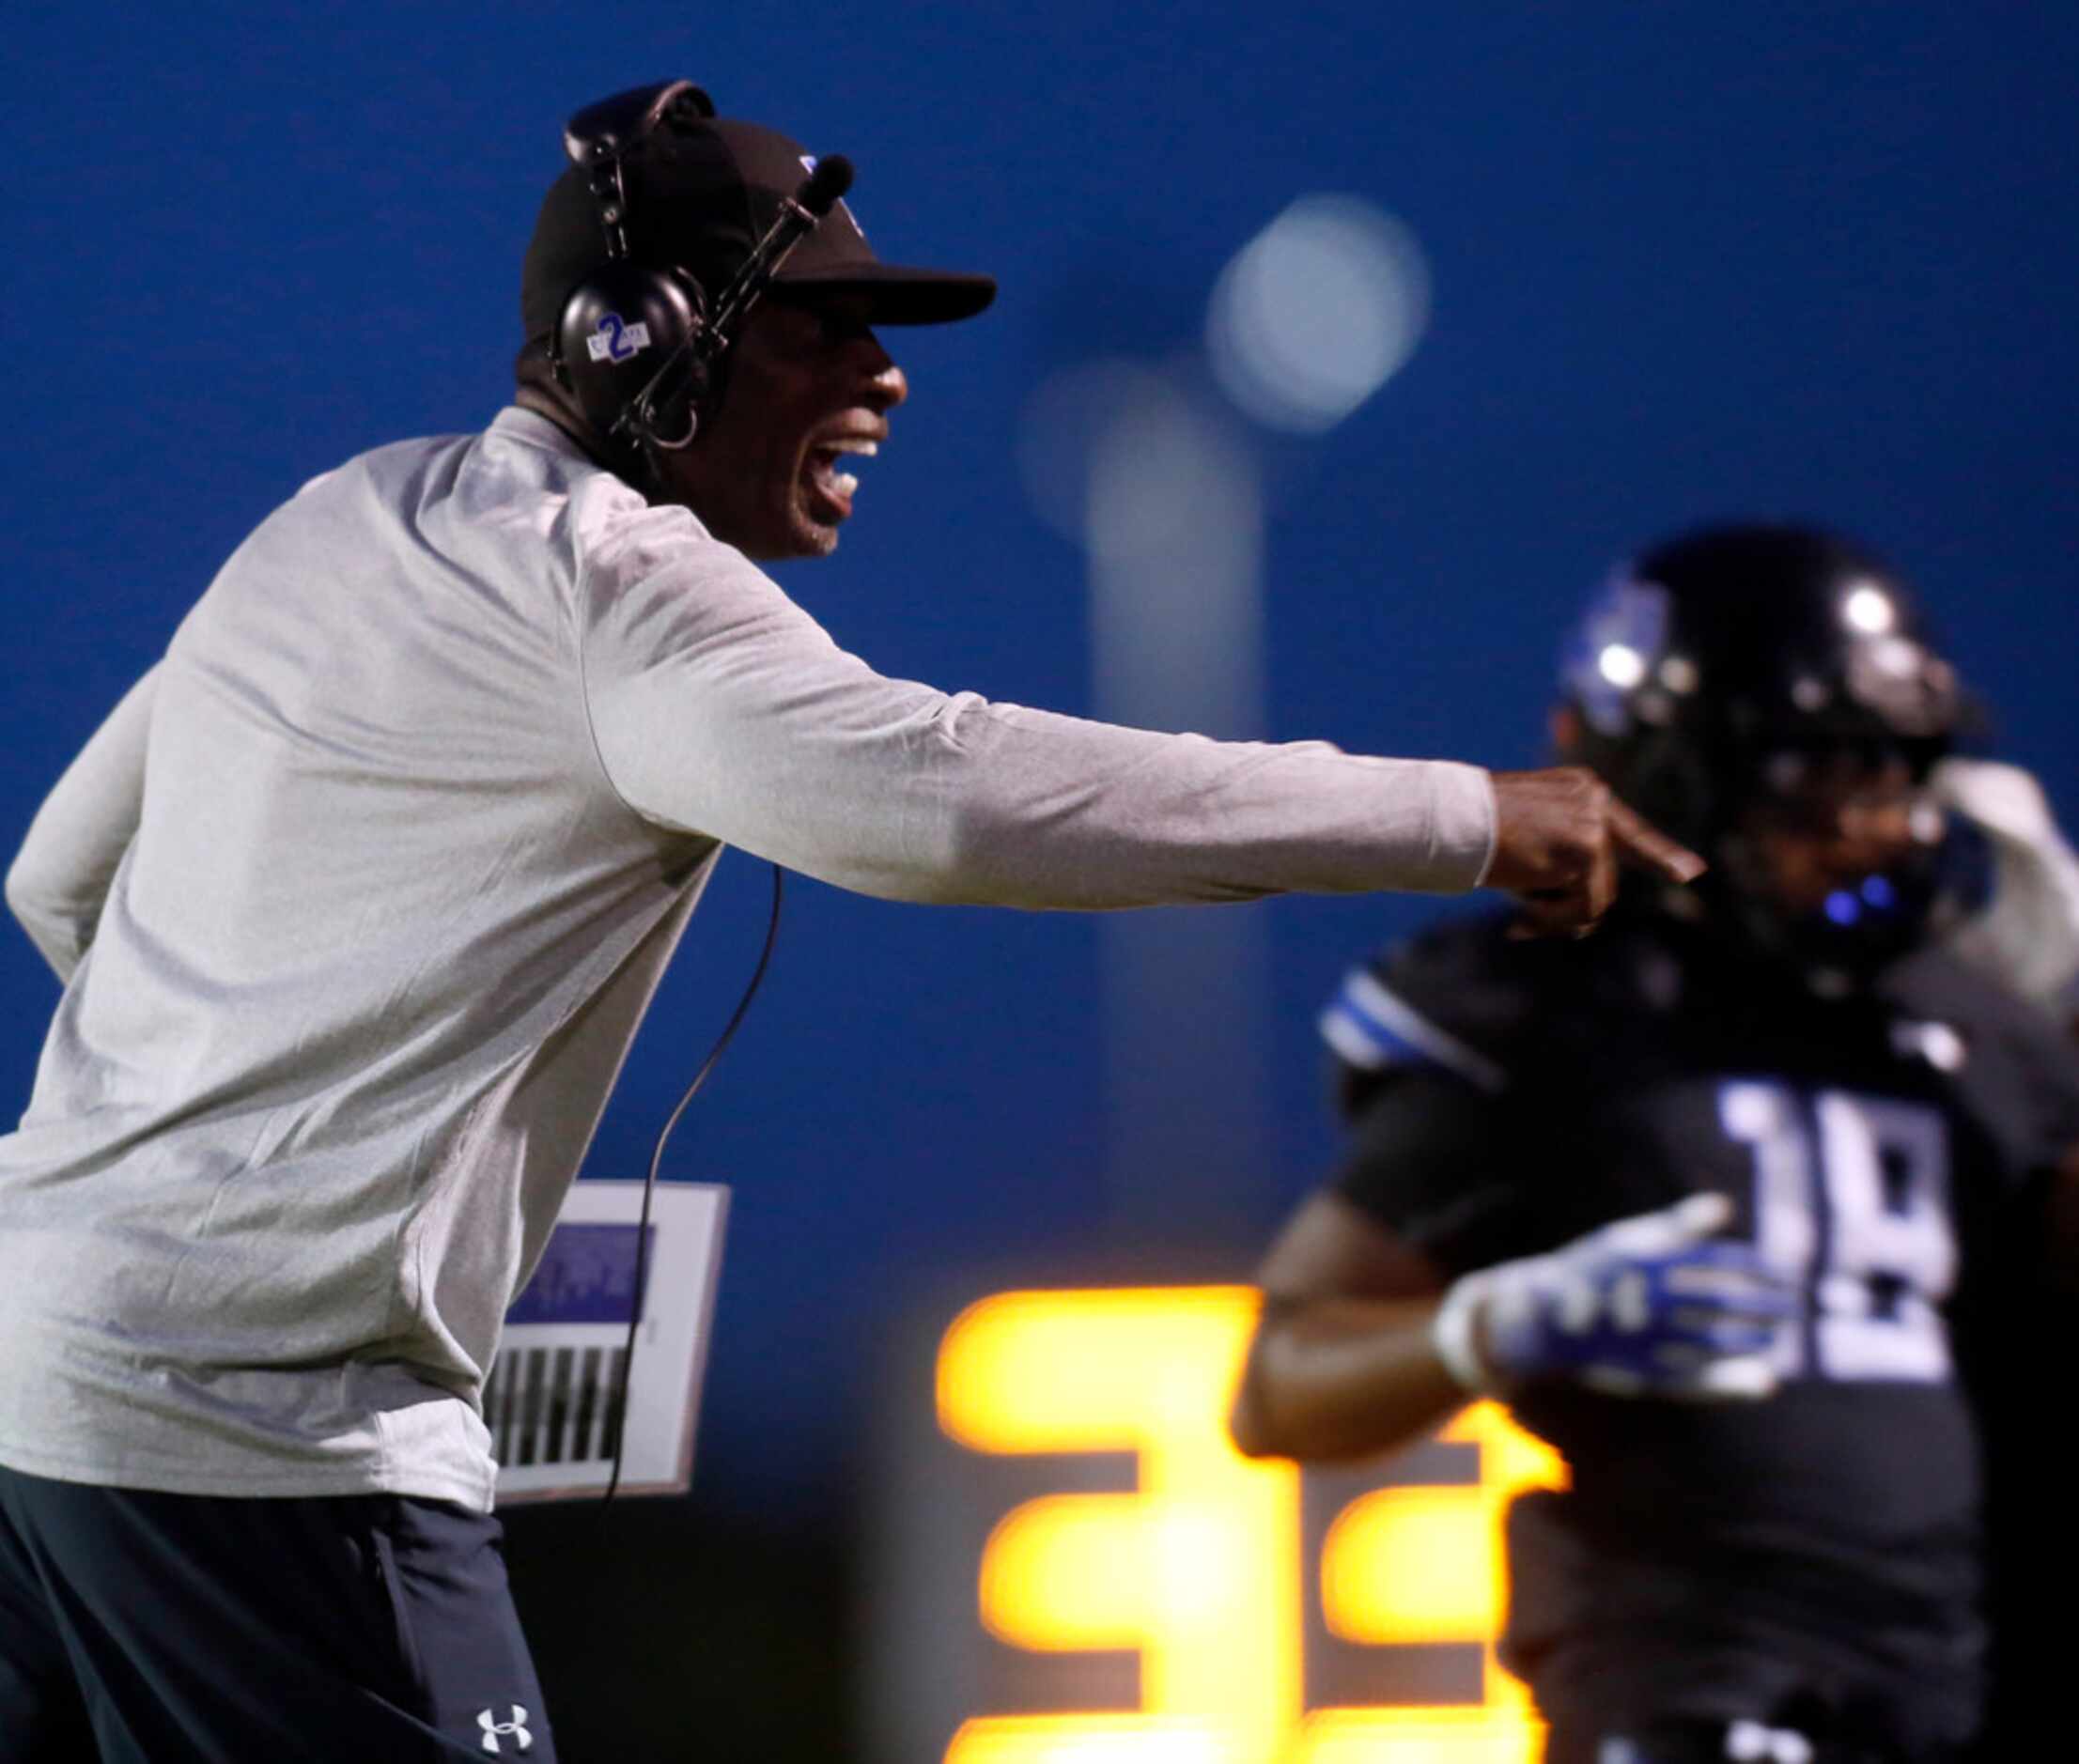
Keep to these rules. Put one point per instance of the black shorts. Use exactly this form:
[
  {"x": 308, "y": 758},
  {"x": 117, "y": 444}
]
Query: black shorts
[{"x": 144, "y": 1628}]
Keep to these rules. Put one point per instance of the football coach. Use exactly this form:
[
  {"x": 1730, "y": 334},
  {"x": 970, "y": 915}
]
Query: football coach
[{"x": 359, "y": 896}]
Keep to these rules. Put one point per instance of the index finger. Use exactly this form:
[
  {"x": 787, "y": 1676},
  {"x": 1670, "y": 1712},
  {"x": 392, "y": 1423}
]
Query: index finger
[{"x": 1648, "y": 846}]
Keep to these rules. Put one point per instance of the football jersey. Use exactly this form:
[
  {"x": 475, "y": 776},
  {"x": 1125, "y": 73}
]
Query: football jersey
[{"x": 1878, "y": 1146}]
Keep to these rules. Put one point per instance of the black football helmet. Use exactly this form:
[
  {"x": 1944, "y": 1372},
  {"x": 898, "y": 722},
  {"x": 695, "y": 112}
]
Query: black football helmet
[{"x": 1716, "y": 662}]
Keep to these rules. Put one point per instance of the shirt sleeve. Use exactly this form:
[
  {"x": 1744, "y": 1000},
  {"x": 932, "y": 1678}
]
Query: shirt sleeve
[
  {"x": 717, "y": 706},
  {"x": 62, "y": 874},
  {"x": 1432, "y": 1158}
]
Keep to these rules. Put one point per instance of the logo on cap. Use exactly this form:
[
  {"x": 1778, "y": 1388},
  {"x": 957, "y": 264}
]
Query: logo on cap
[{"x": 614, "y": 340}]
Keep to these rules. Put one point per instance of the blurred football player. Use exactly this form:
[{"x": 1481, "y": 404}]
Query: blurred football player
[{"x": 1728, "y": 1202}]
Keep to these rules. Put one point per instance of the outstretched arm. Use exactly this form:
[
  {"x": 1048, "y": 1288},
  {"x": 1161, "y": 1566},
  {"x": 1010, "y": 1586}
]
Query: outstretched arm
[
  {"x": 61, "y": 876},
  {"x": 719, "y": 706},
  {"x": 1352, "y": 1358},
  {"x": 1345, "y": 1363}
]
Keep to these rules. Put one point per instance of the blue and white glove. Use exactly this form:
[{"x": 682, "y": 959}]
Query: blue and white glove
[{"x": 1652, "y": 1306}]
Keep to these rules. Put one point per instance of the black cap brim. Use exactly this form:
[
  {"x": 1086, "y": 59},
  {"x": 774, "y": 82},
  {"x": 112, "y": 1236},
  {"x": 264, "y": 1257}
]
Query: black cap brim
[{"x": 894, "y": 293}]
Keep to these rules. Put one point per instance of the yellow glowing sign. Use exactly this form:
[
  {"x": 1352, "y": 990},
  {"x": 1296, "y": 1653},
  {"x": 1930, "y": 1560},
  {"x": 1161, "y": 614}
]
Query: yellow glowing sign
[{"x": 1200, "y": 1571}]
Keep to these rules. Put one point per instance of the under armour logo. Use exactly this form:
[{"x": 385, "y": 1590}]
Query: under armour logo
[{"x": 514, "y": 1730}]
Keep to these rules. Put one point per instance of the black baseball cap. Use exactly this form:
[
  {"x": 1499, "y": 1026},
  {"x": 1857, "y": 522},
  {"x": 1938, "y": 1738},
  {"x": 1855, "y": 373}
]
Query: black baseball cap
[{"x": 701, "y": 192}]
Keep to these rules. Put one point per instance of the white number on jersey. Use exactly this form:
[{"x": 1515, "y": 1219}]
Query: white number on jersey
[{"x": 1851, "y": 1203}]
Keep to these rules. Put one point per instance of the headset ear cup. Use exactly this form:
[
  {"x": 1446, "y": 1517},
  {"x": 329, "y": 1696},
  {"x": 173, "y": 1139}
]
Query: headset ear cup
[
  {"x": 681, "y": 404},
  {"x": 619, "y": 328}
]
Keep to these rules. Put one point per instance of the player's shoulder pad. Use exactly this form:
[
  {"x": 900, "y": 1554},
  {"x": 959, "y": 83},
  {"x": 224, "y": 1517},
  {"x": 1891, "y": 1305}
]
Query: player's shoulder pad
[
  {"x": 1460, "y": 998},
  {"x": 1933, "y": 982}
]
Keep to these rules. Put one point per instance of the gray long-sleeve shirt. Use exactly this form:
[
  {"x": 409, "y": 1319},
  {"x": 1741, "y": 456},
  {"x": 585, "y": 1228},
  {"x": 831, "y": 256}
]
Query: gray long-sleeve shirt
[{"x": 361, "y": 894}]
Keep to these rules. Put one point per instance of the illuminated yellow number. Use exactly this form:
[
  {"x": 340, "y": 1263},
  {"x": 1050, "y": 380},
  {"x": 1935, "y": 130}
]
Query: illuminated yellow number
[
  {"x": 1199, "y": 1570},
  {"x": 1426, "y": 1564}
]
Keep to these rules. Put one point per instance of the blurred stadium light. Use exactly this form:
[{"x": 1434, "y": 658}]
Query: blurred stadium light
[
  {"x": 1155, "y": 484},
  {"x": 1317, "y": 312},
  {"x": 1163, "y": 493}
]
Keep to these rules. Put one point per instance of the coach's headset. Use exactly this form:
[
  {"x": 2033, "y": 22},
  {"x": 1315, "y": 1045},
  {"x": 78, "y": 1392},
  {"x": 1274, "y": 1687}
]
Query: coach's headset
[{"x": 626, "y": 315}]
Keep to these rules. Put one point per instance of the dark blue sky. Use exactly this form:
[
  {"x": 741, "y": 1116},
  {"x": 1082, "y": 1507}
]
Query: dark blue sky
[{"x": 1688, "y": 260}]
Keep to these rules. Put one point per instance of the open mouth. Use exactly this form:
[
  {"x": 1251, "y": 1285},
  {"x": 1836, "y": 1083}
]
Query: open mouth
[{"x": 831, "y": 488}]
